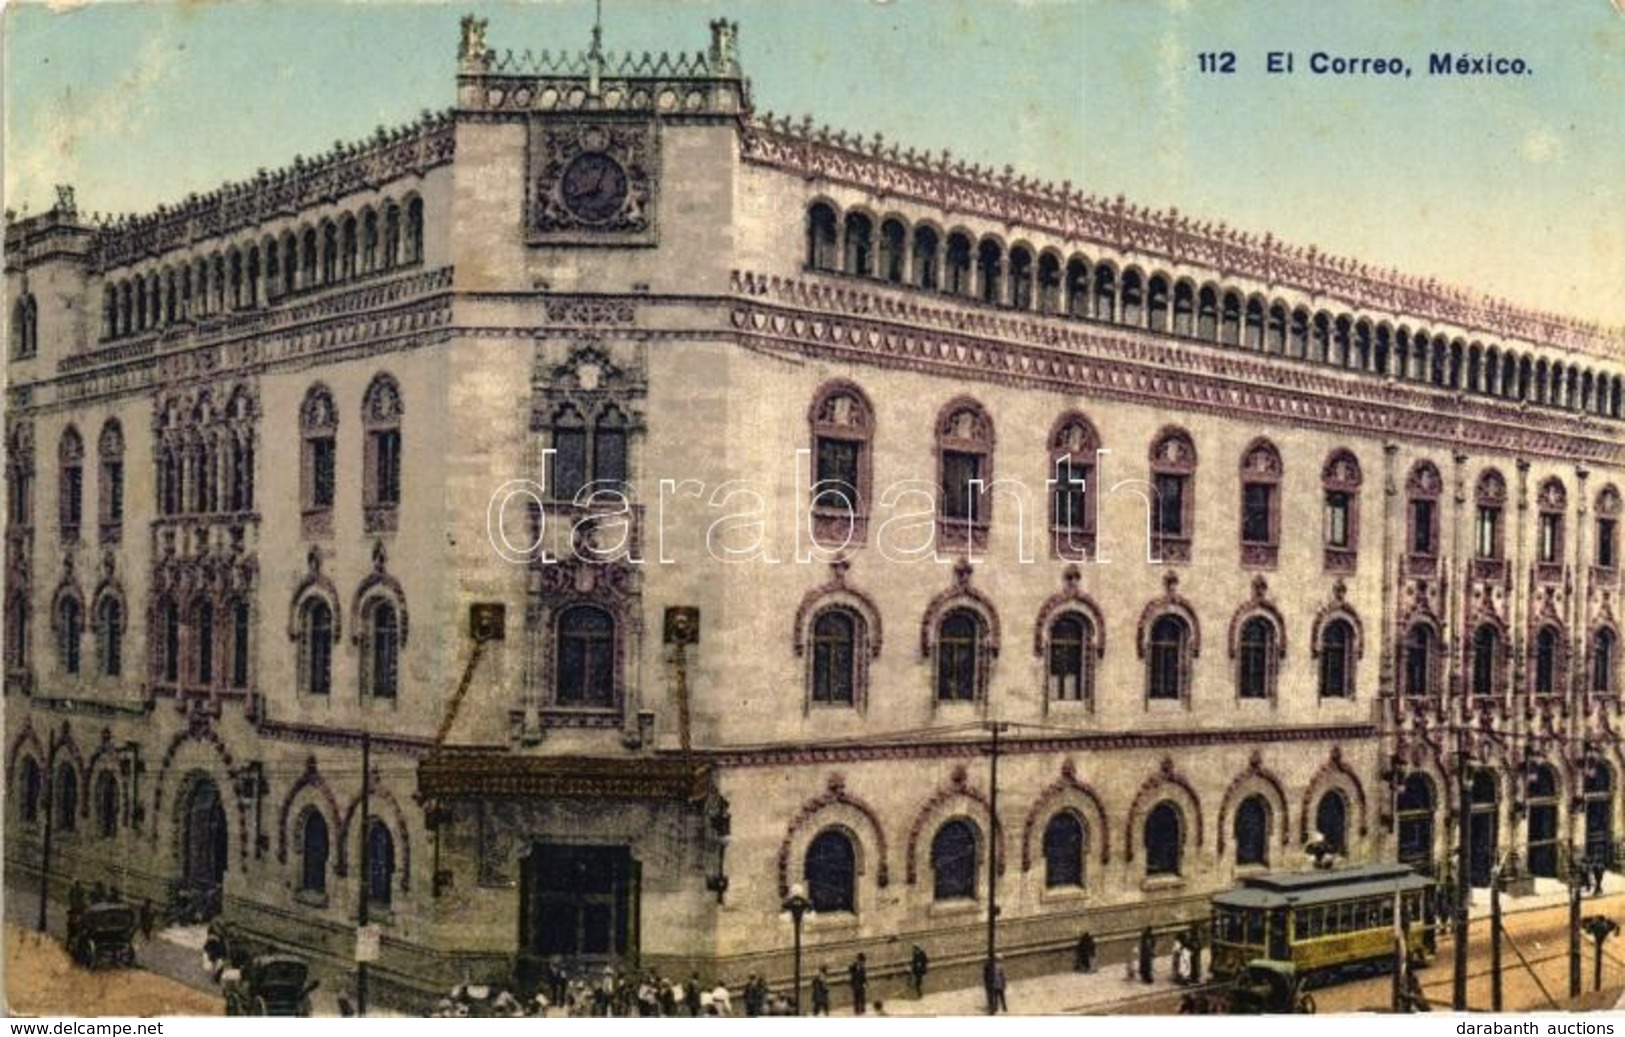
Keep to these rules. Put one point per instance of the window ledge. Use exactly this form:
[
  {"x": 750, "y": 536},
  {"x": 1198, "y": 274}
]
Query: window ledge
[
  {"x": 1162, "y": 883},
  {"x": 954, "y": 908},
  {"x": 1063, "y": 894},
  {"x": 310, "y": 897},
  {"x": 831, "y": 921},
  {"x": 1167, "y": 705}
]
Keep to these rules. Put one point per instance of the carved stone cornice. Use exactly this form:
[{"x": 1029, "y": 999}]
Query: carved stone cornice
[{"x": 505, "y": 775}]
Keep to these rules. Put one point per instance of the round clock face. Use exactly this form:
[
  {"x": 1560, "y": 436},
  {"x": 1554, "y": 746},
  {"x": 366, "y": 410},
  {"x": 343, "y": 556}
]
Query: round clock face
[{"x": 593, "y": 187}]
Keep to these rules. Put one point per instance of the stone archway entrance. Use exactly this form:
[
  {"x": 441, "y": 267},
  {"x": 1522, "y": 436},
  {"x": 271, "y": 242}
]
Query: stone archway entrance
[
  {"x": 202, "y": 849},
  {"x": 579, "y": 903}
]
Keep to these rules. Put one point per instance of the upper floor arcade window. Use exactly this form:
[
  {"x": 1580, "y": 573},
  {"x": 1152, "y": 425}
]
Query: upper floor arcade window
[
  {"x": 892, "y": 257},
  {"x": 831, "y": 872},
  {"x": 1064, "y": 847},
  {"x": 318, "y": 460},
  {"x": 1423, "y": 488},
  {"x": 1488, "y": 536},
  {"x": 961, "y": 656},
  {"x": 25, "y": 327},
  {"x": 1073, "y": 448},
  {"x": 841, "y": 425},
  {"x": 1168, "y": 656},
  {"x": 71, "y": 484},
  {"x": 965, "y": 470},
  {"x": 381, "y": 412},
  {"x": 1164, "y": 841},
  {"x": 953, "y": 861},
  {"x": 927, "y": 258},
  {"x": 1260, "y": 504},
  {"x": 1340, "y": 482},
  {"x": 110, "y": 483},
  {"x": 1173, "y": 503},
  {"x": 1608, "y": 512},
  {"x": 823, "y": 238},
  {"x": 956, "y": 274},
  {"x": 1552, "y": 499},
  {"x": 860, "y": 245},
  {"x": 585, "y": 673}
]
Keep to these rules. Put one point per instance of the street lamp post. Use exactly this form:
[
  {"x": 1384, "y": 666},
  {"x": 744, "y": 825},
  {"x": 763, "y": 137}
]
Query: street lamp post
[
  {"x": 797, "y": 904},
  {"x": 49, "y": 806}
]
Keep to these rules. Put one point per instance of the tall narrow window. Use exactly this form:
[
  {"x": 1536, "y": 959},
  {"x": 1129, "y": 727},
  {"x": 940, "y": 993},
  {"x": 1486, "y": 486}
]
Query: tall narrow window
[
  {"x": 1422, "y": 490},
  {"x": 957, "y": 266},
  {"x": 1340, "y": 482},
  {"x": 106, "y": 805},
  {"x": 835, "y": 637},
  {"x": 380, "y": 863},
  {"x": 315, "y": 647},
  {"x": 823, "y": 234},
  {"x": 1609, "y": 508},
  {"x": 382, "y": 414},
  {"x": 31, "y": 786},
  {"x": 1167, "y": 659},
  {"x": 1073, "y": 447},
  {"x": 586, "y": 658},
  {"x": 313, "y": 852},
  {"x": 1260, "y": 504},
  {"x": 65, "y": 793},
  {"x": 953, "y": 861},
  {"x": 203, "y": 643},
  {"x": 1419, "y": 662},
  {"x": 169, "y": 624},
  {"x": 1548, "y": 660},
  {"x": 1252, "y": 831},
  {"x": 1163, "y": 840},
  {"x": 1486, "y": 660},
  {"x": 831, "y": 872},
  {"x": 1603, "y": 644},
  {"x": 959, "y": 656},
  {"x": 965, "y": 469},
  {"x": 381, "y": 650},
  {"x": 892, "y": 236},
  {"x": 414, "y": 230},
  {"x": 110, "y": 636},
  {"x": 318, "y": 479},
  {"x": 1255, "y": 659},
  {"x": 1337, "y": 660},
  {"x": 860, "y": 246},
  {"x": 1063, "y": 851},
  {"x": 926, "y": 258},
  {"x": 1070, "y": 640},
  {"x": 70, "y": 628},
  {"x": 1553, "y": 500},
  {"x": 841, "y": 424},
  {"x": 1331, "y": 821},
  {"x": 1488, "y": 532},
  {"x": 71, "y": 486},
  {"x": 240, "y": 634},
  {"x": 569, "y": 454},
  {"x": 110, "y": 493},
  {"x": 1173, "y": 471}
]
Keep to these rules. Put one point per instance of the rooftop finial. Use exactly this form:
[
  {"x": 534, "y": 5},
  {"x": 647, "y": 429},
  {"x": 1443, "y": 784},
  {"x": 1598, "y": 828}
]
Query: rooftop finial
[
  {"x": 471, "y": 52},
  {"x": 595, "y": 56},
  {"x": 724, "y": 48}
]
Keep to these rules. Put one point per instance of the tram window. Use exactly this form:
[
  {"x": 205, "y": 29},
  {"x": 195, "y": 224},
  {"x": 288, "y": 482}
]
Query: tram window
[
  {"x": 1255, "y": 927},
  {"x": 1385, "y": 913}
]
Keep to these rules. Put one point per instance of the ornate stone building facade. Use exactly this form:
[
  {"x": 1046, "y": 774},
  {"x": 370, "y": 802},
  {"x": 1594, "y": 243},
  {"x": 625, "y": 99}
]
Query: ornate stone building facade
[{"x": 673, "y": 495}]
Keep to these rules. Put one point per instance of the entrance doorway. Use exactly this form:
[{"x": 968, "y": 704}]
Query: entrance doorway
[
  {"x": 1481, "y": 830},
  {"x": 580, "y": 903},
  {"x": 1543, "y": 835},
  {"x": 1599, "y": 814},
  {"x": 1416, "y": 823},
  {"x": 203, "y": 850}
]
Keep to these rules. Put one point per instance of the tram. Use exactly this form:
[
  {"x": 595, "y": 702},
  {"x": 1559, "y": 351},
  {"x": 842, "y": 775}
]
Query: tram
[{"x": 1324, "y": 923}]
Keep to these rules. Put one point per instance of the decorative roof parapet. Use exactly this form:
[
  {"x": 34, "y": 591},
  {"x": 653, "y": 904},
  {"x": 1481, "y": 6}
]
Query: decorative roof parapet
[
  {"x": 720, "y": 62},
  {"x": 875, "y": 165},
  {"x": 388, "y": 154}
]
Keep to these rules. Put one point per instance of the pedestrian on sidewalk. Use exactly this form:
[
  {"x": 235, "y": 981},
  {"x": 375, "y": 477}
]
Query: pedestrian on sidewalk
[
  {"x": 1148, "y": 952},
  {"x": 820, "y": 992},
  {"x": 995, "y": 981},
  {"x": 918, "y": 963},
  {"x": 857, "y": 974},
  {"x": 1084, "y": 958}
]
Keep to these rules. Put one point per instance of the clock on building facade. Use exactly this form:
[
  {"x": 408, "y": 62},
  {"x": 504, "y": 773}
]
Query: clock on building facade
[{"x": 593, "y": 182}]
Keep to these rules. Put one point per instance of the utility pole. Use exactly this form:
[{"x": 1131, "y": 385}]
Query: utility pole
[
  {"x": 1576, "y": 886},
  {"x": 1464, "y": 884},
  {"x": 49, "y": 806},
  {"x": 1495, "y": 941},
  {"x": 992, "y": 861}
]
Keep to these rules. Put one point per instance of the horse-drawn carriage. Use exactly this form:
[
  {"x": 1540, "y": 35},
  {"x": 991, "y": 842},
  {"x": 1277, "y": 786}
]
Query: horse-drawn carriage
[
  {"x": 271, "y": 984},
  {"x": 102, "y": 934}
]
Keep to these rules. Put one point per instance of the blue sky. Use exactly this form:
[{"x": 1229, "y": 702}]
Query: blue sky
[{"x": 1514, "y": 185}]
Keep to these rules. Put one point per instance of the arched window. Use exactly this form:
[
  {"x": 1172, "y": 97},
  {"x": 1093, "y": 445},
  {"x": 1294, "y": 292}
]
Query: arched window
[
  {"x": 202, "y": 629},
  {"x": 110, "y": 494},
  {"x": 30, "y": 784},
  {"x": 392, "y": 235},
  {"x": 318, "y": 463},
  {"x": 1337, "y": 660},
  {"x": 169, "y": 628},
  {"x": 1184, "y": 309},
  {"x": 1340, "y": 480},
  {"x": 1260, "y": 505},
  {"x": 110, "y": 637},
  {"x": 1252, "y": 833},
  {"x": 990, "y": 271},
  {"x": 1133, "y": 298},
  {"x": 959, "y": 656},
  {"x": 380, "y": 649},
  {"x": 957, "y": 267},
  {"x": 1420, "y": 648},
  {"x": 965, "y": 470},
  {"x": 106, "y": 805},
  {"x": 1105, "y": 307},
  {"x": 240, "y": 643},
  {"x": 1230, "y": 319},
  {"x": 1414, "y": 812},
  {"x": 831, "y": 872},
  {"x": 1164, "y": 841},
  {"x": 586, "y": 454},
  {"x": 1071, "y": 640},
  {"x": 1487, "y": 652},
  {"x": 1173, "y": 504},
  {"x": 310, "y": 252},
  {"x": 893, "y": 236},
  {"x": 17, "y": 632},
  {"x": 1548, "y": 661},
  {"x": 315, "y": 647},
  {"x": 822, "y": 238},
  {"x": 586, "y": 661},
  {"x": 1049, "y": 283},
  {"x": 1331, "y": 821},
  {"x": 1167, "y": 660},
  {"x": 414, "y": 230},
  {"x": 71, "y": 485},
  {"x": 1073, "y": 448},
  {"x": 1077, "y": 288},
  {"x": 349, "y": 247},
  {"x": 835, "y": 655},
  {"x": 841, "y": 425},
  {"x": 312, "y": 851},
  {"x": 70, "y": 626},
  {"x": 1255, "y": 659},
  {"x": 369, "y": 241},
  {"x": 1422, "y": 490},
  {"x": 926, "y": 258},
  {"x": 1254, "y": 338},
  {"x": 1603, "y": 661},
  {"x": 953, "y": 861},
  {"x": 1157, "y": 303},
  {"x": 1021, "y": 278},
  {"x": 860, "y": 246},
  {"x": 1063, "y": 851},
  {"x": 1553, "y": 500},
  {"x": 65, "y": 797},
  {"x": 1609, "y": 507},
  {"x": 381, "y": 490},
  {"x": 380, "y": 863}
]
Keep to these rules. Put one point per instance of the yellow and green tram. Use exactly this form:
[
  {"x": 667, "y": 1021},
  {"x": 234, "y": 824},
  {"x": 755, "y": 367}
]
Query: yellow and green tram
[{"x": 1323, "y": 922}]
